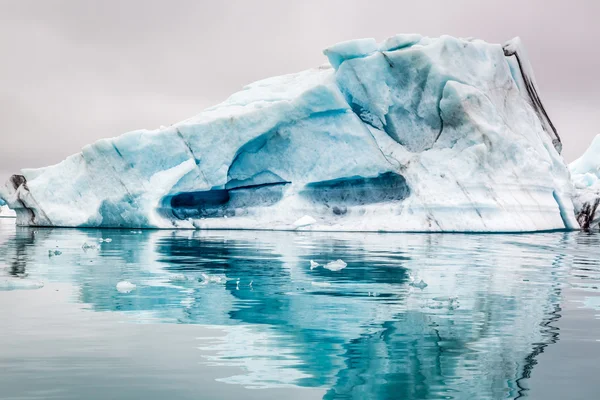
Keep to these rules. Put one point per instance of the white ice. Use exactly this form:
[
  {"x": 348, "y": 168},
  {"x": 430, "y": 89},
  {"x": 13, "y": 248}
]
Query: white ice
[
  {"x": 125, "y": 287},
  {"x": 336, "y": 265}
]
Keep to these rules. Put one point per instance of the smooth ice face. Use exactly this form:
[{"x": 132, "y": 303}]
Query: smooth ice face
[
  {"x": 412, "y": 134},
  {"x": 586, "y": 179}
]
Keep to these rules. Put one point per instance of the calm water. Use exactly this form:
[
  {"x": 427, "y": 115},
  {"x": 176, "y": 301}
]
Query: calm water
[{"x": 224, "y": 315}]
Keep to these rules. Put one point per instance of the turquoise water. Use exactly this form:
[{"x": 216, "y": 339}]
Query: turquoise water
[{"x": 241, "y": 314}]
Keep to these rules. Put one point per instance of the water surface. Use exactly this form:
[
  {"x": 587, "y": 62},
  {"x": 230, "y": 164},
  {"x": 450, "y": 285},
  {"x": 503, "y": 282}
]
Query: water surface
[{"x": 241, "y": 314}]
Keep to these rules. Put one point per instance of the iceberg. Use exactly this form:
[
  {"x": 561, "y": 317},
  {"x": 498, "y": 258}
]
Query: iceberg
[
  {"x": 411, "y": 134},
  {"x": 585, "y": 173},
  {"x": 5, "y": 211}
]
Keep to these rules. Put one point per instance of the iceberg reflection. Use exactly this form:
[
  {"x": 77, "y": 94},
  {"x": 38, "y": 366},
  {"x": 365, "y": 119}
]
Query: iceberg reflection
[{"x": 366, "y": 331}]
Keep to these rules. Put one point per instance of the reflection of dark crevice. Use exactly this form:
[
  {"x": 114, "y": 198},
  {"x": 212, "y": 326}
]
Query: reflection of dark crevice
[{"x": 549, "y": 329}]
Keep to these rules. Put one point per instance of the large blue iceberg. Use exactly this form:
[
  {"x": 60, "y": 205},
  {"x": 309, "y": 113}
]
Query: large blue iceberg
[{"x": 411, "y": 134}]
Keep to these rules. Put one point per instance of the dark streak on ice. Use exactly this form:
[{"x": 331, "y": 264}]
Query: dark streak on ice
[
  {"x": 587, "y": 214},
  {"x": 535, "y": 99},
  {"x": 18, "y": 181}
]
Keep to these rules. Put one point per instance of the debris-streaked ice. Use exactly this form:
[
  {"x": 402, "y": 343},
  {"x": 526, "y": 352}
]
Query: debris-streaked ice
[
  {"x": 585, "y": 173},
  {"x": 411, "y": 134}
]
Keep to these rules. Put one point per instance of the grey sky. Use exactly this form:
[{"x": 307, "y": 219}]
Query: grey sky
[{"x": 76, "y": 71}]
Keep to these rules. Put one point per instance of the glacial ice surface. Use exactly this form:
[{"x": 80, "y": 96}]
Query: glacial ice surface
[{"x": 411, "y": 134}]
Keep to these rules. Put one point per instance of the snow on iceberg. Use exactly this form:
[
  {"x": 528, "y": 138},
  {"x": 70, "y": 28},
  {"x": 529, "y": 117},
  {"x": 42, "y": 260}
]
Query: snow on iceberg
[
  {"x": 585, "y": 173},
  {"x": 413, "y": 134}
]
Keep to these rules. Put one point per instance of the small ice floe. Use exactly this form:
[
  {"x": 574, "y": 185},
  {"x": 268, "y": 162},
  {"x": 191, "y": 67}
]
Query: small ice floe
[
  {"x": 321, "y": 284},
  {"x": 177, "y": 278},
  {"x": 52, "y": 253},
  {"x": 19, "y": 284},
  {"x": 416, "y": 283},
  {"x": 335, "y": 266},
  {"x": 206, "y": 279},
  {"x": 125, "y": 286},
  {"x": 304, "y": 221},
  {"x": 314, "y": 264},
  {"x": 89, "y": 246},
  {"x": 419, "y": 284},
  {"x": 107, "y": 240}
]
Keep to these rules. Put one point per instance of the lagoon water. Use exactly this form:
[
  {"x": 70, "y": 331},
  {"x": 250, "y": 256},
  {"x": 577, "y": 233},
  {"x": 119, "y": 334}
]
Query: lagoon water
[{"x": 241, "y": 315}]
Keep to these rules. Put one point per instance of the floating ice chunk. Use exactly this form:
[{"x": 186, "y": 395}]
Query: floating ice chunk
[
  {"x": 177, "y": 278},
  {"x": 206, "y": 279},
  {"x": 107, "y": 240},
  {"x": 304, "y": 221},
  {"x": 419, "y": 285},
  {"x": 336, "y": 265},
  {"x": 19, "y": 284},
  {"x": 89, "y": 246},
  {"x": 52, "y": 253},
  {"x": 314, "y": 264},
  {"x": 321, "y": 284},
  {"x": 125, "y": 286}
]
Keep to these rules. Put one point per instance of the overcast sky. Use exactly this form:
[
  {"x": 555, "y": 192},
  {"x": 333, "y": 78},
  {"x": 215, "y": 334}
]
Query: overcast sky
[{"x": 75, "y": 71}]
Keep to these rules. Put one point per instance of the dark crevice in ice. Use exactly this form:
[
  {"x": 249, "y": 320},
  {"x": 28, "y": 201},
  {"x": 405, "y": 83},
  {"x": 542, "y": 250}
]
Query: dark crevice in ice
[
  {"x": 187, "y": 145},
  {"x": 117, "y": 150},
  {"x": 20, "y": 181},
  {"x": 357, "y": 190},
  {"x": 535, "y": 100}
]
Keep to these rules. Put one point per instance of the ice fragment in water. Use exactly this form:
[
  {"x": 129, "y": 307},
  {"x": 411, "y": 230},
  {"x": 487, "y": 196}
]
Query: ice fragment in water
[
  {"x": 336, "y": 265},
  {"x": 87, "y": 246},
  {"x": 125, "y": 286},
  {"x": 19, "y": 284},
  {"x": 211, "y": 279},
  {"x": 314, "y": 264},
  {"x": 419, "y": 285}
]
